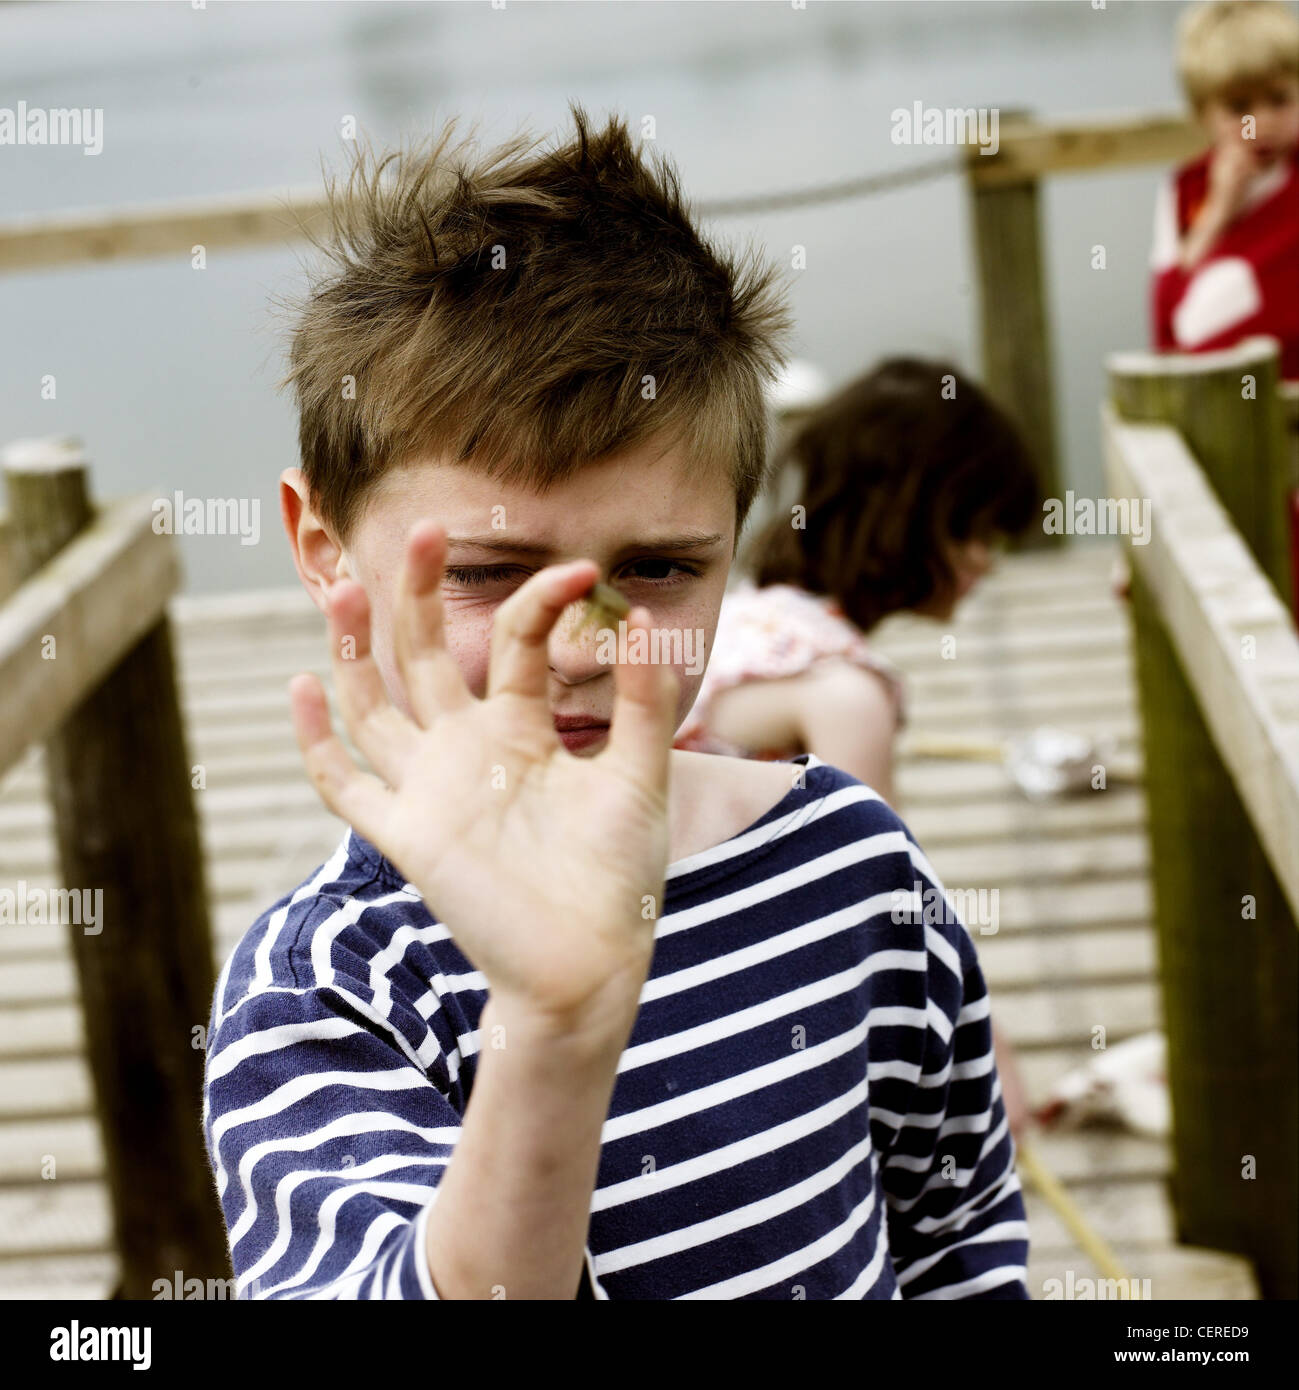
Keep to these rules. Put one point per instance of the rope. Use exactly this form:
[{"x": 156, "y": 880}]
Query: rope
[
  {"x": 1062, "y": 1204},
  {"x": 833, "y": 192}
]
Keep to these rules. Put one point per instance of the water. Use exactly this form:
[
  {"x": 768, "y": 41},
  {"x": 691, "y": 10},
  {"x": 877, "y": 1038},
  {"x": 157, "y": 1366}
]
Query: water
[{"x": 169, "y": 374}]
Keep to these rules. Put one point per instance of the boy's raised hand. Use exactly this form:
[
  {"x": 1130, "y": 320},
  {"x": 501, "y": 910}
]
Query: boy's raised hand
[
  {"x": 547, "y": 868},
  {"x": 1231, "y": 168}
]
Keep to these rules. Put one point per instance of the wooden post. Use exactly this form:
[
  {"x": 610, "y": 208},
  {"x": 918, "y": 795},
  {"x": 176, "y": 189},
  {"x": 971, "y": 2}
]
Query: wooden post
[
  {"x": 119, "y": 780},
  {"x": 1013, "y": 315},
  {"x": 1289, "y": 393},
  {"x": 1228, "y": 942}
]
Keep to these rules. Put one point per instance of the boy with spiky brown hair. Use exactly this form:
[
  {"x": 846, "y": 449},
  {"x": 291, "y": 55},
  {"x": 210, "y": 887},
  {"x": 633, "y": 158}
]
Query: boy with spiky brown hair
[{"x": 568, "y": 1012}]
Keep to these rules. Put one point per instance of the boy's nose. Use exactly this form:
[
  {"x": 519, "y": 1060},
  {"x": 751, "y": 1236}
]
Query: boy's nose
[{"x": 575, "y": 649}]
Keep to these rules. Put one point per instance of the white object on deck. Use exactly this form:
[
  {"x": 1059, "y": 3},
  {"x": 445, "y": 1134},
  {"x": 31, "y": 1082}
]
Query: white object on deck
[
  {"x": 1127, "y": 1084},
  {"x": 1050, "y": 762}
]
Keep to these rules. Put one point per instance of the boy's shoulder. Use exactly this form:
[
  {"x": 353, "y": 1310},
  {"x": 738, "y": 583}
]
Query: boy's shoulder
[
  {"x": 724, "y": 796},
  {"x": 833, "y": 844},
  {"x": 348, "y": 908}
]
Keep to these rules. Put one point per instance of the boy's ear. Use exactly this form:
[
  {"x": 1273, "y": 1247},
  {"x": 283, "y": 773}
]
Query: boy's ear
[{"x": 317, "y": 556}]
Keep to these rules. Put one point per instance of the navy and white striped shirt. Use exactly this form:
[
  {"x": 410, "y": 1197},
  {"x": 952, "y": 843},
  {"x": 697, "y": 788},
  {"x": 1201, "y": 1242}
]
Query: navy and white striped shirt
[{"x": 808, "y": 1106}]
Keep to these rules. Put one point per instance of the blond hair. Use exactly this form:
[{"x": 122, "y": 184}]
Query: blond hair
[
  {"x": 1229, "y": 43},
  {"x": 525, "y": 314}
]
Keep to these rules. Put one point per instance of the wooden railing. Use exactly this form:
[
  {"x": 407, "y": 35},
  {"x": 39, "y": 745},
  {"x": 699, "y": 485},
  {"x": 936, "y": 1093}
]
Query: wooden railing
[
  {"x": 1202, "y": 441},
  {"x": 1005, "y": 214},
  {"x": 86, "y": 668},
  {"x": 1014, "y": 315}
]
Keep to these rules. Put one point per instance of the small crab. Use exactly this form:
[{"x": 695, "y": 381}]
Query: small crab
[{"x": 605, "y": 607}]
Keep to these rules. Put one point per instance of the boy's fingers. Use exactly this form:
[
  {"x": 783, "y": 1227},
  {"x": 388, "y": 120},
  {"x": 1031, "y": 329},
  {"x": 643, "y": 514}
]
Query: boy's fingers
[
  {"x": 379, "y": 730},
  {"x": 432, "y": 679},
  {"x": 358, "y": 797},
  {"x": 521, "y": 633},
  {"x": 644, "y": 713}
]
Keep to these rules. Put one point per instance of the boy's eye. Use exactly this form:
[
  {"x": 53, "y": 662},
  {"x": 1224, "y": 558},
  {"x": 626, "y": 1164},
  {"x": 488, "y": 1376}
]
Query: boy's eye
[
  {"x": 657, "y": 563},
  {"x": 471, "y": 576},
  {"x": 648, "y": 571}
]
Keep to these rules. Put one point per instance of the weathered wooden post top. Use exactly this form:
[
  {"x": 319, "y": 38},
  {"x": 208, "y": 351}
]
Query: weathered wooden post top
[{"x": 86, "y": 665}]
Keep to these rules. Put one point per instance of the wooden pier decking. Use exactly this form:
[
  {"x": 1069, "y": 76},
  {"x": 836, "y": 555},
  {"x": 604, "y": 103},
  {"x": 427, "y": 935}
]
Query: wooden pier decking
[{"x": 1043, "y": 642}]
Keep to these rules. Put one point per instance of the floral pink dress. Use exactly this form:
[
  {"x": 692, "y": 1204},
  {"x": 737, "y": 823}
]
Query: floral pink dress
[{"x": 769, "y": 633}]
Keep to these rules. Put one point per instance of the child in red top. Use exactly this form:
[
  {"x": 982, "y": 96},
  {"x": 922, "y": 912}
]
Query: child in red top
[{"x": 1225, "y": 260}]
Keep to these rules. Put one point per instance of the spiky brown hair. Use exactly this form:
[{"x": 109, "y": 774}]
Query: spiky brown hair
[{"x": 526, "y": 313}]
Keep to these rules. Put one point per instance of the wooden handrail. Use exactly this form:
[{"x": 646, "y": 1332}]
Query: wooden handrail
[
  {"x": 87, "y": 667},
  {"x": 162, "y": 229},
  {"x": 1029, "y": 148},
  {"x": 69, "y": 624},
  {"x": 1217, "y": 604},
  {"x": 1198, "y": 442}
]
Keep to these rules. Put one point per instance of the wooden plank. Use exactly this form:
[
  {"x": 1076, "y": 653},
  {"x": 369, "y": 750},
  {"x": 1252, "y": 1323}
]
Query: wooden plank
[
  {"x": 172, "y": 229},
  {"x": 1135, "y": 1211},
  {"x": 1117, "y": 955},
  {"x": 47, "y": 1277},
  {"x": 1214, "y": 599},
  {"x": 1088, "y": 905},
  {"x": 93, "y": 602},
  {"x": 1088, "y": 600},
  {"x": 56, "y": 1088},
  {"x": 1059, "y": 1018},
  {"x": 64, "y": 1217},
  {"x": 27, "y": 1148},
  {"x": 1035, "y": 863},
  {"x": 30, "y": 856},
  {"x": 1029, "y": 149},
  {"x": 264, "y": 878},
  {"x": 1175, "y": 1272},
  {"x": 1104, "y": 634},
  {"x": 1227, "y": 923},
  {"x": 48, "y": 1024},
  {"x": 1097, "y": 1156},
  {"x": 1111, "y": 671}
]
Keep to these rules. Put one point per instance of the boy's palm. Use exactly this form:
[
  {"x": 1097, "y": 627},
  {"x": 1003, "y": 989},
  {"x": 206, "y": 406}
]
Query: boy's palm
[{"x": 547, "y": 868}]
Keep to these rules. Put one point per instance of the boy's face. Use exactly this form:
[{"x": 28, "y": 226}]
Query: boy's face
[
  {"x": 660, "y": 528},
  {"x": 1274, "y": 105}
]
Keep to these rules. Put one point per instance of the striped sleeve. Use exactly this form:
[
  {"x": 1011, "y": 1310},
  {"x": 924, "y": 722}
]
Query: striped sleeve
[
  {"x": 957, "y": 1227},
  {"x": 328, "y": 1140}
]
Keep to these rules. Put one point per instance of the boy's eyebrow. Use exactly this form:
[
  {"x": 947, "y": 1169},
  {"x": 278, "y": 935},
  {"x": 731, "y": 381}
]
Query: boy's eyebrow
[{"x": 498, "y": 544}]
